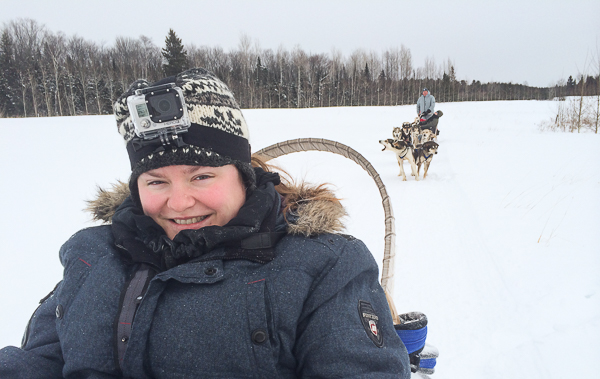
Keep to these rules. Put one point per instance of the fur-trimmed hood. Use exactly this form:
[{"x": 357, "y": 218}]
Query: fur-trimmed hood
[{"x": 313, "y": 209}]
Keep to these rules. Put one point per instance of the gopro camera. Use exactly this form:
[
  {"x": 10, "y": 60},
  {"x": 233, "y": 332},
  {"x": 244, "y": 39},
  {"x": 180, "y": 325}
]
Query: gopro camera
[{"x": 158, "y": 111}]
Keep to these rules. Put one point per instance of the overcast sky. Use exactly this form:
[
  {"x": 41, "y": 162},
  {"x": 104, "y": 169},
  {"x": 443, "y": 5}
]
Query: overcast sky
[{"x": 533, "y": 41}]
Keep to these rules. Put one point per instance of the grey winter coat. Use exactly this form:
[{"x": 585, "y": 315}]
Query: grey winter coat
[
  {"x": 426, "y": 103},
  {"x": 307, "y": 307}
]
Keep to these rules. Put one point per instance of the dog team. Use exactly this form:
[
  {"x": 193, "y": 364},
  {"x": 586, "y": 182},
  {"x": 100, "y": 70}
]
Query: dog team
[
  {"x": 419, "y": 154},
  {"x": 416, "y": 142}
]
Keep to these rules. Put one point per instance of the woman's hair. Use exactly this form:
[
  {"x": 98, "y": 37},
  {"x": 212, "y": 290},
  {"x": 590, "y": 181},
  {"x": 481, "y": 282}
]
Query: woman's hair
[{"x": 292, "y": 193}]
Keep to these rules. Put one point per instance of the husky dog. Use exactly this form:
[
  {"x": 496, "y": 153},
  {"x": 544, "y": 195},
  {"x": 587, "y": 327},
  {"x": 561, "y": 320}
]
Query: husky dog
[
  {"x": 403, "y": 133},
  {"x": 415, "y": 132},
  {"x": 404, "y": 151},
  {"x": 427, "y": 135},
  {"x": 424, "y": 155},
  {"x": 397, "y": 132}
]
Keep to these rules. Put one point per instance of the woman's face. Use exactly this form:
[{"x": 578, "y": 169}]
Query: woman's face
[{"x": 191, "y": 197}]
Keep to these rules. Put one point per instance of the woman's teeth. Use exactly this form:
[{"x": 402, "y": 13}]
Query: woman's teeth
[{"x": 189, "y": 220}]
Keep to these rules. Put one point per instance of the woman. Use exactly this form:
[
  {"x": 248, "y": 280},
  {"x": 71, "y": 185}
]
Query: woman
[{"x": 208, "y": 266}]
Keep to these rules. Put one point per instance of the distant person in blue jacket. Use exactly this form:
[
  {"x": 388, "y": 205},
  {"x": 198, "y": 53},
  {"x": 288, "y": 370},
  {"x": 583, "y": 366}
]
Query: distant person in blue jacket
[
  {"x": 426, "y": 105},
  {"x": 208, "y": 265},
  {"x": 426, "y": 111}
]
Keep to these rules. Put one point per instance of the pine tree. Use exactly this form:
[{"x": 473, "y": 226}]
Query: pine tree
[
  {"x": 367, "y": 73},
  {"x": 174, "y": 54},
  {"x": 571, "y": 83}
]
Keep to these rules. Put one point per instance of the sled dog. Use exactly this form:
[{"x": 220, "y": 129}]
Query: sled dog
[
  {"x": 423, "y": 156},
  {"x": 415, "y": 132},
  {"x": 403, "y": 133},
  {"x": 404, "y": 151},
  {"x": 427, "y": 135}
]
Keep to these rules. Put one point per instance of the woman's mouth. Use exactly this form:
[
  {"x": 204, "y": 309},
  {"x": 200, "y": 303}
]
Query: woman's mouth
[{"x": 188, "y": 221}]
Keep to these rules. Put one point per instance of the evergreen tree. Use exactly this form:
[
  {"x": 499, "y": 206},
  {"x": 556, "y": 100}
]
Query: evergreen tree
[
  {"x": 367, "y": 73},
  {"x": 571, "y": 83},
  {"x": 258, "y": 71},
  {"x": 174, "y": 55}
]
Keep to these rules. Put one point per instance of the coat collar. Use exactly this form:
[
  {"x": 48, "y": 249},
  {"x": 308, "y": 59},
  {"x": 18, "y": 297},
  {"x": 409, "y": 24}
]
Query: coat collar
[
  {"x": 310, "y": 209},
  {"x": 142, "y": 240}
]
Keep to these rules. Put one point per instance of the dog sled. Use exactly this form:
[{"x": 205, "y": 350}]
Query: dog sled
[
  {"x": 411, "y": 327},
  {"x": 431, "y": 123}
]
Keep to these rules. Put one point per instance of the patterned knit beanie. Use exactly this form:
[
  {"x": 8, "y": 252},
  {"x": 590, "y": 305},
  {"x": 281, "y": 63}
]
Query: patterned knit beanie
[{"x": 217, "y": 136}]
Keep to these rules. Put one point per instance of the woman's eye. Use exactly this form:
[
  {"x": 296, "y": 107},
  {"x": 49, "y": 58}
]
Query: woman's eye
[
  {"x": 155, "y": 182},
  {"x": 202, "y": 177}
]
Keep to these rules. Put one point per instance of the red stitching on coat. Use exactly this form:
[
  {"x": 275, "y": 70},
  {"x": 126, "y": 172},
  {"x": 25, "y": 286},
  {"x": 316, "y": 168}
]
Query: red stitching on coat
[
  {"x": 256, "y": 281},
  {"x": 85, "y": 262}
]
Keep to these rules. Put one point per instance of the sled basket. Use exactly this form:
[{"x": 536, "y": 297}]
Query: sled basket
[
  {"x": 431, "y": 124},
  {"x": 319, "y": 144}
]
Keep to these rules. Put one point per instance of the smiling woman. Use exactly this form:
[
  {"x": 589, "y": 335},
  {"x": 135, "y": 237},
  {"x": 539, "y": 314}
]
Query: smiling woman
[
  {"x": 191, "y": 197},
  {"x": 206, "y": 250}
]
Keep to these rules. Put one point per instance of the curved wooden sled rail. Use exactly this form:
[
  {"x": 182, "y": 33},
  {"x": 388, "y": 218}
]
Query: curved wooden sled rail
[{"x": 319, "y": 144}]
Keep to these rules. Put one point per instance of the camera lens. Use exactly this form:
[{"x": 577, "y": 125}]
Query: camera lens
[{"x": 164, "y": 105}]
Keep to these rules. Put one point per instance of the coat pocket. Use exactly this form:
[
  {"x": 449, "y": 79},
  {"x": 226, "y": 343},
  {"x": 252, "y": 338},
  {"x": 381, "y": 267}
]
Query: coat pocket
[{"x": 262, "y": 335}]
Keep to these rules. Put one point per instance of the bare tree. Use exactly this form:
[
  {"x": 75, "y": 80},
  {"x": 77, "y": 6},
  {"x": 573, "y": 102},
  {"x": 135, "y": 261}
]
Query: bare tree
[
  {"x": 110, "y": 76},
  {"x": 335, "y": 75},
  {"x": 94, "y": 54},
  {"x": 245, "y": 61},
  {"x": 78, "y": 53},
  {"x": 27, "y": 35},
  {"x": 357, "y": 62},
  {"x": 150, "y": 59},
  {"x": 393, "y": 66},
  {"x": 299, "y": 68},
  {"x": 55, "y": 50},
  {"x": 125, "y": 60},
  {"x": 282, "y": 58},
  {"x": 406, "y": 73}
]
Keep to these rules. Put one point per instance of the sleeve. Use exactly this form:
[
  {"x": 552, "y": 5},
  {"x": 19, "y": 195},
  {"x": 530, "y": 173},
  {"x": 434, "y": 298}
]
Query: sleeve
[
  {"x": 40, "y": 355},
  {"x": 432, "y": 104},
  {"x": 347, "y": 329},
  {"x": 418, "y": 111}
]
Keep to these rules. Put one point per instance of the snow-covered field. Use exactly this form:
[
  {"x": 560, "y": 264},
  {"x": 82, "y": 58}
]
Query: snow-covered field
[{"x": 499, "y": 246}]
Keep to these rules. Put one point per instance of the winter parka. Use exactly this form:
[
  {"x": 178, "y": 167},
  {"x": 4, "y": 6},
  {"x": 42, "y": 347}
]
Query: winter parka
[
  {"x": 272, "y": 298},
  {"x": 424, "y": 104}
]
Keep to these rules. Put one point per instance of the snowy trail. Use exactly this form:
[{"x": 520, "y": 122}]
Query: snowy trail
[{"x": 450, "y": 244}]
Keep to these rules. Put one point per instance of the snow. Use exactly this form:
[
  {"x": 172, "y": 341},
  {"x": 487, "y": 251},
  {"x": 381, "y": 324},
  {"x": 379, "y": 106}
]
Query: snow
[{"x": 498, "y": 246}]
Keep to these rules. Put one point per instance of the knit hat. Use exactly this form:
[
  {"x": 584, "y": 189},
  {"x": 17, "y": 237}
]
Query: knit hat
[{"x": 218, "y": 134}]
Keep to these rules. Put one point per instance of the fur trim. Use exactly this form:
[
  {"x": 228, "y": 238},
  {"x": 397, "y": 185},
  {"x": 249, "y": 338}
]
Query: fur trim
[
  {"x": 318, "y": 217},
  {"x": 106, "y": 203},
  {"x": 315, "y": 209}
]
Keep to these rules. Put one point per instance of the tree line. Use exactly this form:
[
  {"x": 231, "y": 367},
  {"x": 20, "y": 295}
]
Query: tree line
[{"x": 43, "y": 73}]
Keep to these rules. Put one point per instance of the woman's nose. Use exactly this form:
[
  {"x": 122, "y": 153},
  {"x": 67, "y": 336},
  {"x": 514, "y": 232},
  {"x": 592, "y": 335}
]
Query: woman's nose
[{"x": 180, "y": 199}]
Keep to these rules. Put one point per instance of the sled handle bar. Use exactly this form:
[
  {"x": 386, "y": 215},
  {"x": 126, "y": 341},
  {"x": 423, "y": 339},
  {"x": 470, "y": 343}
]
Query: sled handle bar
[{"x": 320, "y": 144}]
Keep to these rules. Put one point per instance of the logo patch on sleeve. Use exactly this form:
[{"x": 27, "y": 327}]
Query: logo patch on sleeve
[{"x": 370, "y": 322}]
